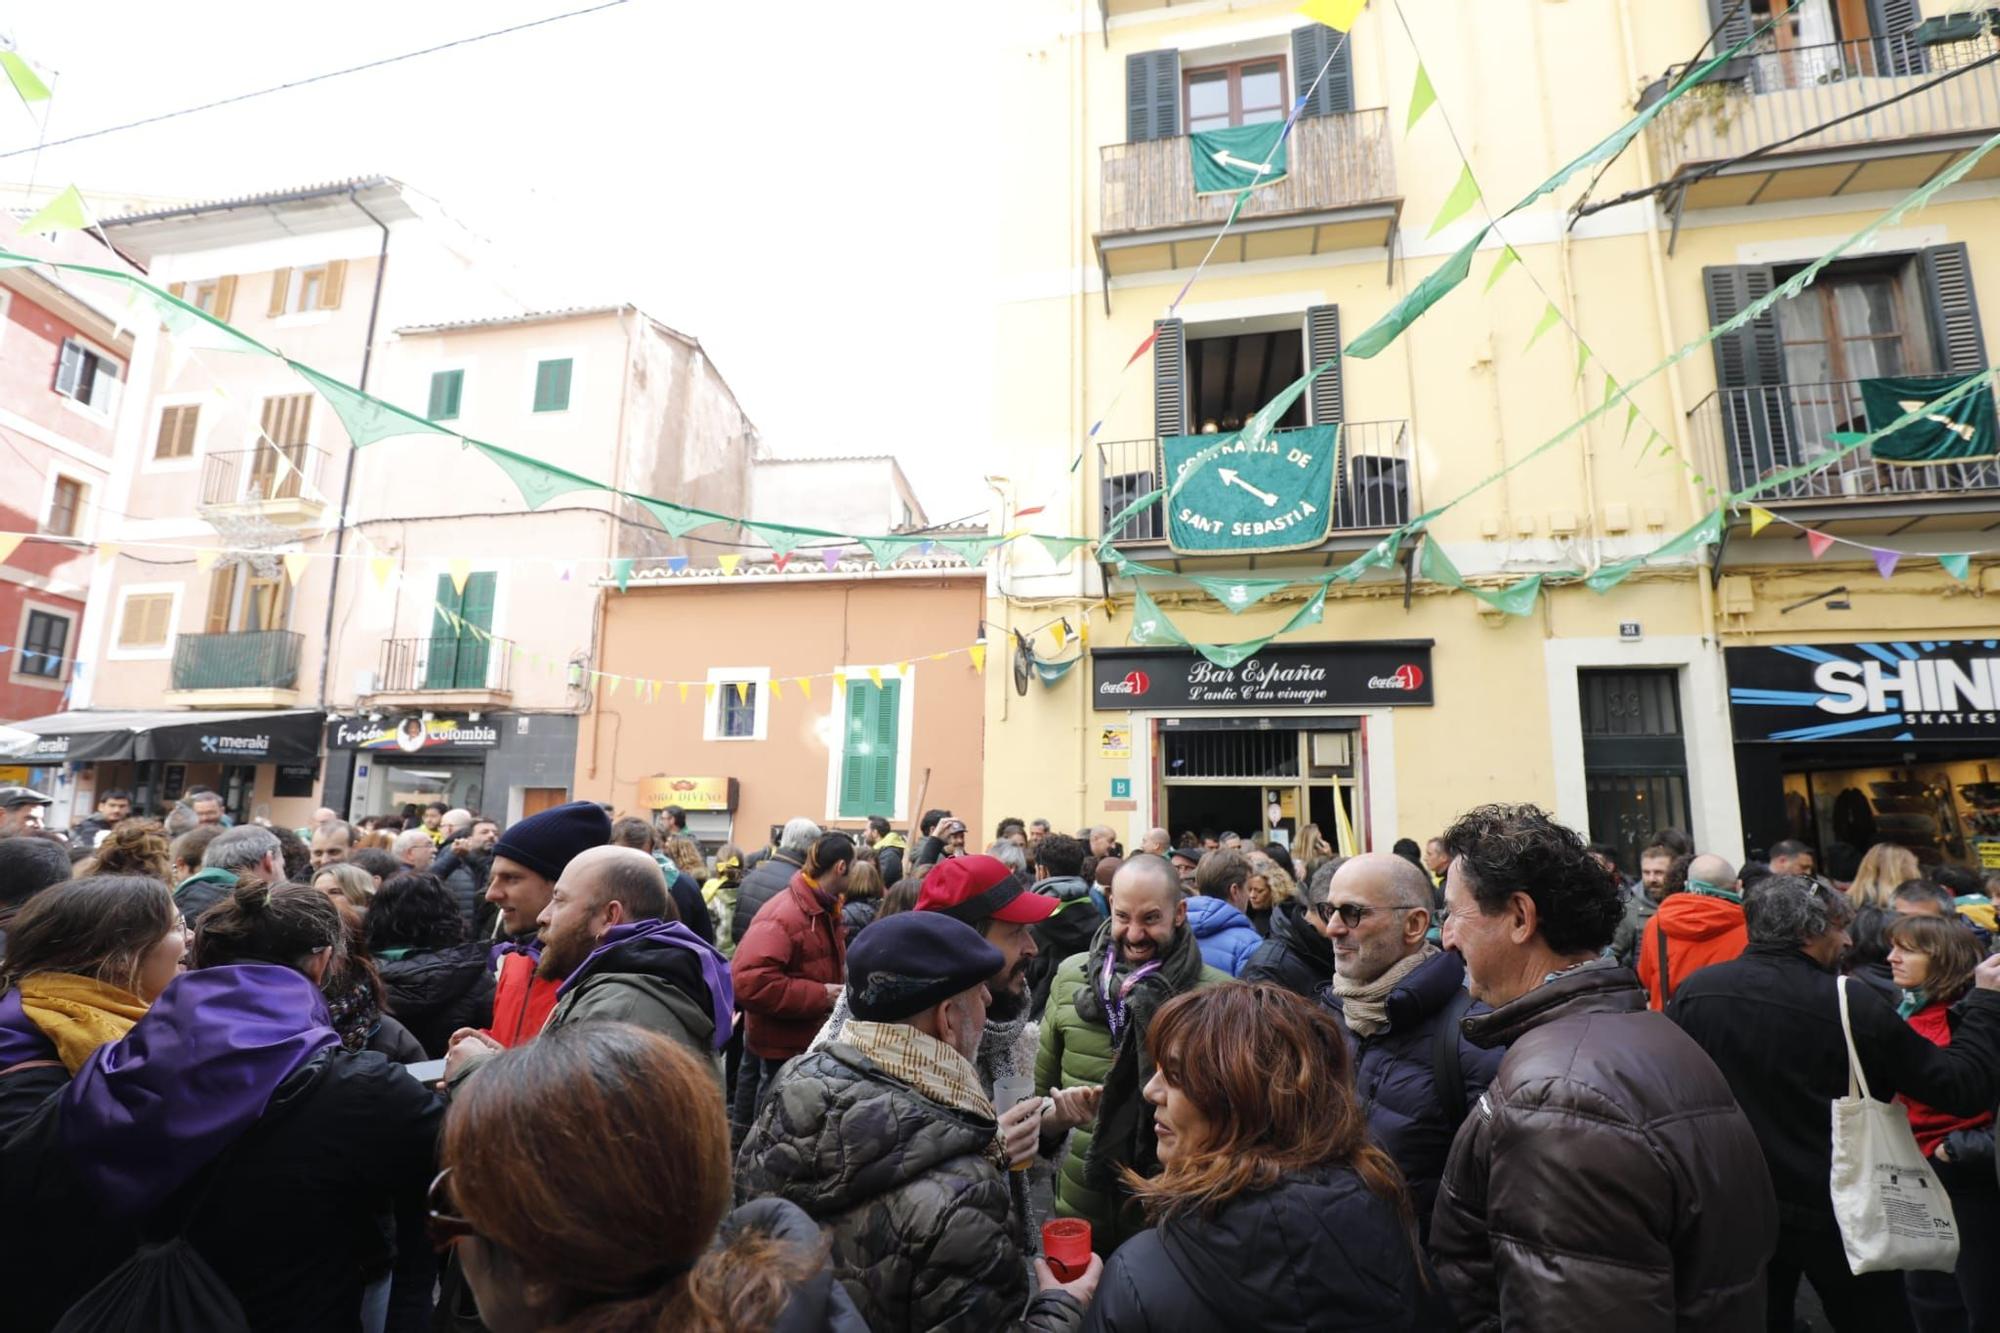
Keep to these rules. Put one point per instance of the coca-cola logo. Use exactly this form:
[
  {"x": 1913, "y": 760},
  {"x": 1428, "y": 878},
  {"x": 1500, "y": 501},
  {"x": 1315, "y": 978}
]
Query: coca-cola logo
[
  {"x": 1135, "y": 682},
  {"x": 1408, "y": 676}
]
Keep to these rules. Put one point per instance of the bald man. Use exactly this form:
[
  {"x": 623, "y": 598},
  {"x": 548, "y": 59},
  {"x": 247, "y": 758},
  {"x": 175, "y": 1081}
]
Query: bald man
[
  {"x": 1157, "y": 841},
  {"x": 1396, "y": 995},
  {"x": 614, "y": 943},
  {"x": 1701, "y": 925}
]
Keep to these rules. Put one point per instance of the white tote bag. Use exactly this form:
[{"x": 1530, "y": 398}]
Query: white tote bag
[{"x": 1893, "y": 1213}]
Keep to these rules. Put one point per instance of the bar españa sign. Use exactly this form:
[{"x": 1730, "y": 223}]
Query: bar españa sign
[
  {"x": 1229, "y": 497},
  {"x": 1375, "y": 674},
  {"x": 1926, "y": 690}
]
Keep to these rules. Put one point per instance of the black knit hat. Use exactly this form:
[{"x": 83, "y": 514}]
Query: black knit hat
[
  {"x": 546, "y": 842},
  {"x": 904, "y": 964}
]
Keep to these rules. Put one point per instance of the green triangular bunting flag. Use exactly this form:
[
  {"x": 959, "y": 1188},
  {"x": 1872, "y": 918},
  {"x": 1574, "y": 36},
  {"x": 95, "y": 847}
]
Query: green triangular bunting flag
[
  {"x": 1060, "y": 547},
  {"x": 783, "y": 540},
  {"x": 887, "y": 550},
  {"x": 1631, "y": 415},
  {"x": 1517, "y": 599},
  {"x": 365, "y": 419},
  {"x": 65, "y": 212},
  {"x": 1422, "y": 297},
  {"x": 1456, "y": 204},
  {"x": 1958, "y": 566},
  {"x": 621, "y": 569},
  {"x": 26, "y": 82},
  {"x": 1150, "y": 626},
  {"x": 539, "y": 483},
  {"x": 1422, "y": 96},
  {"x": 972, "y": 550},
  {"x": 1550, "y": 318},
  {"x": 1508, "y": 258},
  {"x": 678, "y": 521},
  {"x": 1239, "y": 594}
]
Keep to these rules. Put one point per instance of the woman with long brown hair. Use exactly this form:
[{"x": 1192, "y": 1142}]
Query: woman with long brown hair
[
  {"x": 1272, "y": 1210},
  {"x": 612, "y": 1231}
]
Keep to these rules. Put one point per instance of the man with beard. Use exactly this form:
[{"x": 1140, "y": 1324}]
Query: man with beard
[
  {"x": 614, "y": 951},
  {"x": 1094, "y": 1034},
  {"x": 527, "y": 862}
]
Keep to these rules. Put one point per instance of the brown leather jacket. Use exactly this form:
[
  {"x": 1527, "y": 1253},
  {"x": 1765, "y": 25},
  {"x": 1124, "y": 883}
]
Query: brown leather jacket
[{"x": 1606, "y": 1179}]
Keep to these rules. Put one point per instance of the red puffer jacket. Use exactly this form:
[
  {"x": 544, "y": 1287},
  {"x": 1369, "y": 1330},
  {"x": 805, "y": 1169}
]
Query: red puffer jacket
[
  {"x": 521, "y": 1000},
  {"x": 781, "y": 969}
]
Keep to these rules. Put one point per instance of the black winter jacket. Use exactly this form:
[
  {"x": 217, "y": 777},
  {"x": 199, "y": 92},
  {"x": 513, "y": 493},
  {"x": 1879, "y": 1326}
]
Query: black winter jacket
[
  {"x": 761, "y": 883},
  {"x": 1296, "y": 956},
  {"x": 439, "y": 991},
  {"x": 693, "y": 908},
  {"x": 1396, "y": 1074},
  {"x": 1318, "y": 1252},
  {"x": 1771, "y": 1022},
  {"x": 1069, "y": 931},
  {"x": 296, "y": 1224},
  {"x": 818, "y": 1304}
]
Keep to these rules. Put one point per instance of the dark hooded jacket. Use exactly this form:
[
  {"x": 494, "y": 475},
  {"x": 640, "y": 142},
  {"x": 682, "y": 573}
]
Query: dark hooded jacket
[
  {"x": 818, "y": 1304},
  {"x": 658, "y": 975},
  {"x": 1296, "y": 956},
  {"x": 464, "y": 877},
  {"x": 1067, "y": 932},
  {"x": 1771, "y": 1022},
  {"x": 236, "y": 1069},
  {"x": 761, "y": 883},
  {"x": 913, "y": 1204},
  {"x": 1317, "y": 1252},
  {"x": 1396, "y": 1073},
  {"x": 1606, "y": 1179},
  {"x": 439, "y": 991}
]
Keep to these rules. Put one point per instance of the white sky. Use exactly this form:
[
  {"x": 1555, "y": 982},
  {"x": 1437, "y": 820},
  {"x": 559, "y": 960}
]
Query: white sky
[{"x": 806, "y": 187}]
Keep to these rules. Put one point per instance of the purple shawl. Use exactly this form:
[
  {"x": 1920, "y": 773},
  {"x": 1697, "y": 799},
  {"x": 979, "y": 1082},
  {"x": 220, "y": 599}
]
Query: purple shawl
[
  {"x": 652, "y": 936},
  {"x": 145, "y": 1114},
  {"x": 20, "y": 1040}
]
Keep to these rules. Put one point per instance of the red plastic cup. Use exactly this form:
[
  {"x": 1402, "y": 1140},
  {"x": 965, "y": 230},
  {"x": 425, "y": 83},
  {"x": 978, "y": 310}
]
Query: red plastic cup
[{"x": 1066, "y": 1245}]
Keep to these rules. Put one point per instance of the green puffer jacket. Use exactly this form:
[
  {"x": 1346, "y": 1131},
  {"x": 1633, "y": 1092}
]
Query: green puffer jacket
[
  {"x": 1076, "y": 1054},
  {"x": 913, "y": 1208}
]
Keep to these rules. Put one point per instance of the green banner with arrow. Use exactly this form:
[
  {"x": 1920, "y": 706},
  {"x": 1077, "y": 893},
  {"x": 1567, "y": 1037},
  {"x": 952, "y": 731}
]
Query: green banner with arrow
[{"x": 1236, "y": 496}]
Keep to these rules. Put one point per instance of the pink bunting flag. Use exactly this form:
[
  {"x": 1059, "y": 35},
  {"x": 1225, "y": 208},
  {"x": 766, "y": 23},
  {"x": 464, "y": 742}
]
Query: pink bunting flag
[
  {"x": 1885, "y": 561},
  {"x": 1818, "y": 541},
  {"x": 780, "y": 561},
  {"x": 830, "y": 557}
]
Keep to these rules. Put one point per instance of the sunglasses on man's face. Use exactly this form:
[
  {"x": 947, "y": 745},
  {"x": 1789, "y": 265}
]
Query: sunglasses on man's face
[
  {"x": 446, "y": 1228},
  {"x": 1352, "y": 914}
]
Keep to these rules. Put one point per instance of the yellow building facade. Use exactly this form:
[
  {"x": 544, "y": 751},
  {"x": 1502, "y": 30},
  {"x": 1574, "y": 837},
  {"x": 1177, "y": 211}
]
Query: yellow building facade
[{"x": 1408, "y": 702}]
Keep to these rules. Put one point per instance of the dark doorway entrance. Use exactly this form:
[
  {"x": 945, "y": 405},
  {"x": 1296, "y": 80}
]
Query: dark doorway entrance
[{"x": 1634, "y": 758}]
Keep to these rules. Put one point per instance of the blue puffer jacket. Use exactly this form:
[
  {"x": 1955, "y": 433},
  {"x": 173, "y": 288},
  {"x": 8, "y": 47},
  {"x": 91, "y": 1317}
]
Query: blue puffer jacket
[
  {"x": 1396, "y": 1074},
  {"x": 1226, "y": 936}
]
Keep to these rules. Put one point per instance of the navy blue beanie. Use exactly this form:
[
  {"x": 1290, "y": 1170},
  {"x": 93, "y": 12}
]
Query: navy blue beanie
[
  {"x": 544, "y": 843},
  {"x": 904, "y": 964}
]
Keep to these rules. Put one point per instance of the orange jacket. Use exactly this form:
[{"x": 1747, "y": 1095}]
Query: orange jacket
[
  {"x": 521, "y": 1000},
  {"x": 1698, "y": 930}
]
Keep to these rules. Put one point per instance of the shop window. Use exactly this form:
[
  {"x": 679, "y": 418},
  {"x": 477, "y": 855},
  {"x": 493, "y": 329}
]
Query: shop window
[{"x": 1634, "y": 758}]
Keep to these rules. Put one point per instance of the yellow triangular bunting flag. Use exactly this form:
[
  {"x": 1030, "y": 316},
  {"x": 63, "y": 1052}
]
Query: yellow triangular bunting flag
[
  {"x": 611, "y": 690},
  {"x": 742, "y": 691},
  {"x": 295, "y": 565},
  {"x": 107, "y": 551},
  {"x": 379, "y": 569},
  {"x": 1062, "y": 633},
  {"x": 683, "y": 686},
  {"x": 875, "y": 675},
  {"x": 839, "y": 680},
  {"x": 708, "y": 690},
  {"x": 902, "y": 668},
  {"x": 460, "y": 571},
  {"x": 978, "y": 652},
  {"x": 806, "y": 686},
  {"x": 1759, "y": 520},
  {"x": 203, "y": 560},
  {"x": 729, "y": 562},
  {"x": 1336, "y": 14},
  {"x": 777, "y": 688}
]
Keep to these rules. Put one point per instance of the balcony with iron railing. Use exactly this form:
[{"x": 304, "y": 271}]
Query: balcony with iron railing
[
  {"x": 1375, "y": 488},
  {"x": 282, "y": 485},
  {"x": 247, "y": 669},
  {"x": 470, "y": 671},
  {"x": 1339, "y": 193},
  {"x": 1753, "y": 434},
  {"x": 1838, "y": 118}
]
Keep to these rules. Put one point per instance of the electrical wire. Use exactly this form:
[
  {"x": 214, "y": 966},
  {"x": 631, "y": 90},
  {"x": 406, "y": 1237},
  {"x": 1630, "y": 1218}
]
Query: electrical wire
[{"x": 316, "y": 78}]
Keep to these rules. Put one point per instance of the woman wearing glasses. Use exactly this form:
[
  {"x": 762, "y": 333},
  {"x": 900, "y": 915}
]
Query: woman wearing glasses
[
  {"x": 615, "y": 1228},
  {"x": 1272, "y": 1210},
  {"x": 231, "y": 1117}
]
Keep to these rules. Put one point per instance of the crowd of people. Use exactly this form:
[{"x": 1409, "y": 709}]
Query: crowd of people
[{"x": 580, "y": 1072}]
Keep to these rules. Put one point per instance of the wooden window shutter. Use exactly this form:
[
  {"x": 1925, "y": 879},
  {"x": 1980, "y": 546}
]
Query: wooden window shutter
[
  {"x": 1956, "y": 336},
  {"x": 177, "y": 428},
  {"x": 225, "y": 296},
  {"x": 176, "y": 289},
  {"x": 1326, "y": 401},
  {"x": 221, "y": 598},
  {"x": 281, "y": 282},
  {"x": 157, "y": 628},
  {"x": 1312, "y": 46},
  {"x": 1152, "y": 95},
  {"x": 144, "y": 624},
  {"x": 1749, "y": 367},
  {"x": 335, "y": 283},
  {"x": 1169, "y": 378}
]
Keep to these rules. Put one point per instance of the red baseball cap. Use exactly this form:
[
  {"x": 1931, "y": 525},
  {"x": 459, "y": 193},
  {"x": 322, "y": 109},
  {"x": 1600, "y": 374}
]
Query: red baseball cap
[{"x": 978, "y": 888}]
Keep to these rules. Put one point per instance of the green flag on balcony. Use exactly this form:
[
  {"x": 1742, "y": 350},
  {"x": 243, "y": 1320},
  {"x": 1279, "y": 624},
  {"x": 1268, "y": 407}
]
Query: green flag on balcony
[
  {"x": 1954, "y": 433},
  {"x": 1231, "y": 495},
  {"x": 1238, "y": 157}
]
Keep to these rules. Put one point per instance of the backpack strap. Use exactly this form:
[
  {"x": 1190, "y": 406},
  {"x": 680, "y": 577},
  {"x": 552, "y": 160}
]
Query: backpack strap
[
  {"x": 1445, "y": 1065},
  {"x": 1660, "y": 942},
  {"x": 31, "y": 1064}
]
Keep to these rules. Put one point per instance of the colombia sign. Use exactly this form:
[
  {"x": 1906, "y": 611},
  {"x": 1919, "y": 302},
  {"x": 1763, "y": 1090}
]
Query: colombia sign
[{"x": 1226, "y": 496}]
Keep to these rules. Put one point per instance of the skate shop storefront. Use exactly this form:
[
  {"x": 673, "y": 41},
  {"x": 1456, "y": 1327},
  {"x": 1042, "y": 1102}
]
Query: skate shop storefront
[
  {"x": 1860, "y": 743},
  {"x": 1265, "y": 747}
]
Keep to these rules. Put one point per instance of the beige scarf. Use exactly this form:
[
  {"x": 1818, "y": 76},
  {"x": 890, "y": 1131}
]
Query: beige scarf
[
  {"x": 1366, "y": 1005},
  {"x": 922, "y": 1061}
]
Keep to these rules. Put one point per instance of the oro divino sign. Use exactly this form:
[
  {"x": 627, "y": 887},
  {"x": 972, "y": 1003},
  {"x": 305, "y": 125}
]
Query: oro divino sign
[{"x": 1394, "y": 673}]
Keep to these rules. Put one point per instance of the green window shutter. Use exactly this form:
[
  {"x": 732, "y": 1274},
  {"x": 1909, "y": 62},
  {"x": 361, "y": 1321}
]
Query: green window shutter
[
  {"x": 888, "y": 716},
  {"x": 446, "y": 387},
  {"x": 1749, "y": 373},
  {"x": 476, "y": 608},
  {"x": 1312, "y": 45},
  {"x": 443, "y": 661},
  {"x": 1958, "y": 342},
  {"x": 857, "y": 769},
  {"x": 552, "y": 386},
  {"x": 1152, "y": 95}
]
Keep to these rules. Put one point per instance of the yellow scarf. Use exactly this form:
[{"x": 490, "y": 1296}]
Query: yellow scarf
[{"x": 78, "y": 1014}]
